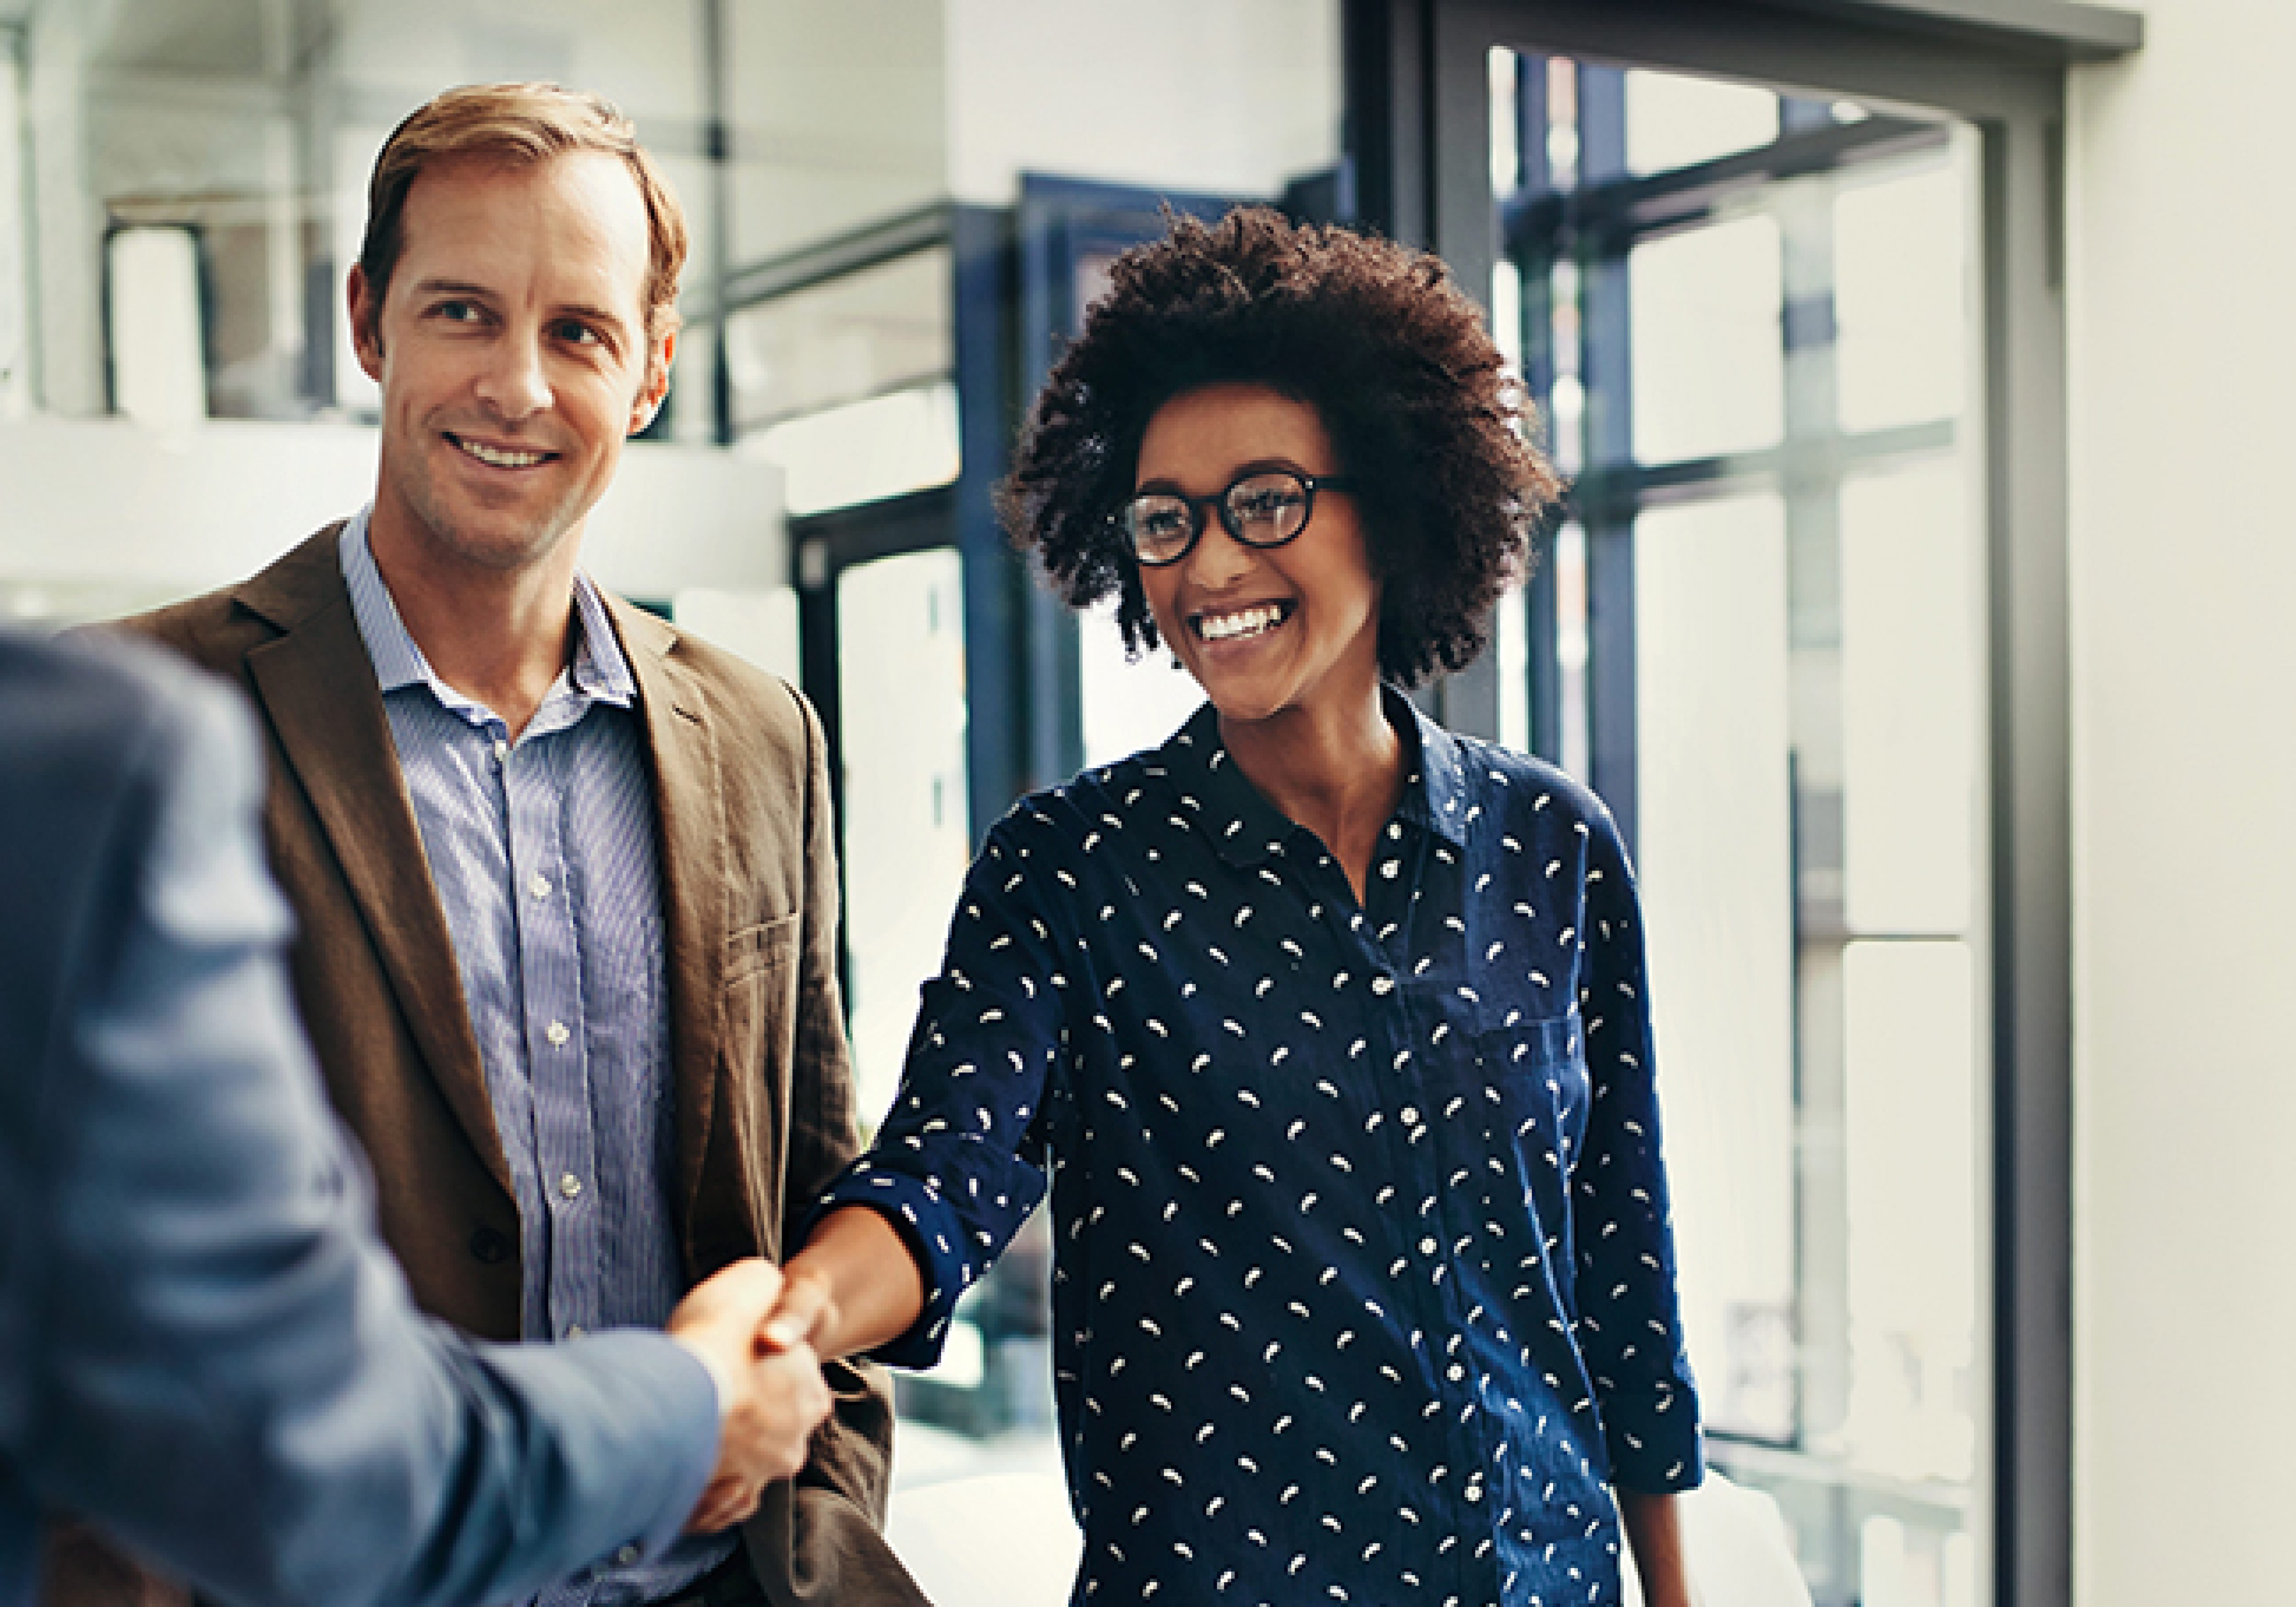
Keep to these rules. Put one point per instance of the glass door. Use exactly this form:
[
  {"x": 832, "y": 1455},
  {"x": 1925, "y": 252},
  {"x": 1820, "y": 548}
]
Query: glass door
[{"x": 1749, "y": 322}]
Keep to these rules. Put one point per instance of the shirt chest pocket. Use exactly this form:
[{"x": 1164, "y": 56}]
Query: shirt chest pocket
[
  {"x": 1520, "y": 1095},
  {"x": 1536, "y": 1073}
]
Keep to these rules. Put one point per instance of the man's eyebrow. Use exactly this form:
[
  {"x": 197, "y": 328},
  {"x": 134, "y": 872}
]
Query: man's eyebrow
[{"x": 450, "y": 287}]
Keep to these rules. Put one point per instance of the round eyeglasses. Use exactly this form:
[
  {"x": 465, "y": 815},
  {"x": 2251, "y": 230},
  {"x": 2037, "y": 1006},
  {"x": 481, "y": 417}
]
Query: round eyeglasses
[{"x": 1261, "y": 508}]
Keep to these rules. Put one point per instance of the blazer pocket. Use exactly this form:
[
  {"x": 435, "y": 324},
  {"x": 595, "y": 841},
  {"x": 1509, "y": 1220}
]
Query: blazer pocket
[
  {"x": 767, "y": 945},
  {"x": 760, "y": 1003}
]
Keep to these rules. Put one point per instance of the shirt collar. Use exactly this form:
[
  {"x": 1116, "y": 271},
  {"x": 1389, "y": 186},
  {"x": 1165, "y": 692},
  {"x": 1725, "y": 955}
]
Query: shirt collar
[
  {"x": 1245, "y": 829},
  {"x": 599, "y": 672},
  {"x": 1435, "y": 796}
]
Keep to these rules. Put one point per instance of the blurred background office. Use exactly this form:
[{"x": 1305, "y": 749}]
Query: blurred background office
[{"x": 1921, "y": 612}]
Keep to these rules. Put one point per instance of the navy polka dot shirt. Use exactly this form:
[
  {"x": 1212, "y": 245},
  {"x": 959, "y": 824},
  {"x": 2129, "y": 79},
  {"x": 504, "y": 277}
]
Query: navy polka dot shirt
[{"x": 1363, "y": 1284}]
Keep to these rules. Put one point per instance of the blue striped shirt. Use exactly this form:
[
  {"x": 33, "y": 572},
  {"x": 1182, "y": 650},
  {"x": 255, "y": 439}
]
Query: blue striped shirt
[{"x": 543, "y": 855}]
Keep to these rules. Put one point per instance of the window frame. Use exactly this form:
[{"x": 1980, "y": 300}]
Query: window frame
[{"x": 1419, "y": 136}]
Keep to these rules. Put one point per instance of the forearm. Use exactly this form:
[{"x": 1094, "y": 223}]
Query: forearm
[
  {"x": 1654, "y": 1531},
  {"x": 866, "y": 1283}
]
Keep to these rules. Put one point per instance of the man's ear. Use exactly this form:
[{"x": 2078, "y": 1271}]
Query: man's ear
[
  {"x": 367, "y": 321},
  {"x": 659, "y": 354}
]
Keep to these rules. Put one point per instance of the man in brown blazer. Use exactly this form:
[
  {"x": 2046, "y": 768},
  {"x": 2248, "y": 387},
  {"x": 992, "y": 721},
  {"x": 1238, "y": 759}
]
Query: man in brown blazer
[{"x": 565, "y": 876}]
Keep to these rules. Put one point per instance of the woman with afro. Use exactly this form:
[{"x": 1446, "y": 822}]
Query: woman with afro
[{"x": 1325, "y": 1027}]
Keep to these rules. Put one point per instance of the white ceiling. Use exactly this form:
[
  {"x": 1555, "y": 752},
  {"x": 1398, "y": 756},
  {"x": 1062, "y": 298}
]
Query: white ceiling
[{"x": 176, "y": 36}]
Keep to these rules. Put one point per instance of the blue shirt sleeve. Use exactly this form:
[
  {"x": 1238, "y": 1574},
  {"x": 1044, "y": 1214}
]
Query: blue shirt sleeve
[
  {"x": 1630, "y": 1324},
  {"x": 202, "y": 1343}
]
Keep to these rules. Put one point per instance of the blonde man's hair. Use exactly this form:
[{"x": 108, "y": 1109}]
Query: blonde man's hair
[{"x": 517, "y": 124}]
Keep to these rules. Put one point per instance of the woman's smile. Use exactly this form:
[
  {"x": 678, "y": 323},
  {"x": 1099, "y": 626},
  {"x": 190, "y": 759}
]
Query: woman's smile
[{"x": 1240, "y": 624}]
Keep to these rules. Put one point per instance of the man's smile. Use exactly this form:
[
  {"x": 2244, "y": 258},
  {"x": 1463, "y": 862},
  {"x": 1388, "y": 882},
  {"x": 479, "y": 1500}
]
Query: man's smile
[{"x": 499, "y": 458}]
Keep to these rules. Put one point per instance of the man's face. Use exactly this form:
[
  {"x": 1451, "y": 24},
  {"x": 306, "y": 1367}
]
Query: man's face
[{"x": 512, "y": 351}]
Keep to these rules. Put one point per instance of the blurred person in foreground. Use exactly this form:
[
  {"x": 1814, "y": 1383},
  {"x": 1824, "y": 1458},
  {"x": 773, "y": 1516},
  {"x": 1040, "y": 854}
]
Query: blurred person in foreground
[
  {"x": 1327, "y": 1027},
  {"x": 563, "y": 874},
  {"x": 203, "y": 1346}
]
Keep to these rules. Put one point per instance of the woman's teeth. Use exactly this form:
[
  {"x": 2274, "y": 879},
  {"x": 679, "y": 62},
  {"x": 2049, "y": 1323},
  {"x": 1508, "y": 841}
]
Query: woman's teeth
[
  {"x": 1249, "y": 622},
  {"x": 499, "y": 459}
]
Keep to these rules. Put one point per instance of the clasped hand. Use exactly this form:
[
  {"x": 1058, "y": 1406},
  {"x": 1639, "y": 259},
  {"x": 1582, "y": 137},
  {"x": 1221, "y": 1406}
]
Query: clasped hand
[{"x": 777, "y": 1397}]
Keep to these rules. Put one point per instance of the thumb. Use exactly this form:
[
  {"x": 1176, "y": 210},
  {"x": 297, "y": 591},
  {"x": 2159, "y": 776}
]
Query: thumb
[
  {"x": 739, "y": 1295},
  {"x": 806, "y": 1307}
]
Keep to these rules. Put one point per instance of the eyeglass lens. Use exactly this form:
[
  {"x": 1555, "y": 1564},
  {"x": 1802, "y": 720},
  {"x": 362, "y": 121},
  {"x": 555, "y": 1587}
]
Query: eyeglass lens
[{"x": 1261, "y": 509}]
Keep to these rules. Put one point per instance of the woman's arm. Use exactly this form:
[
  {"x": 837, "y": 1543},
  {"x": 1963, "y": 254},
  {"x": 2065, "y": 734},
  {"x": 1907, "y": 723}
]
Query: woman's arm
[
  {"x": 853, "y": 1287},
  {"x": 954, "y": 1171},
  {"x": 1630, "y": 1326},
  {"x": 1654, "y": 1532}
]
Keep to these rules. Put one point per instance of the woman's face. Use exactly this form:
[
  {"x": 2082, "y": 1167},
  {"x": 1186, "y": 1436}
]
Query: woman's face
[{"x": 1266, "y": 631}]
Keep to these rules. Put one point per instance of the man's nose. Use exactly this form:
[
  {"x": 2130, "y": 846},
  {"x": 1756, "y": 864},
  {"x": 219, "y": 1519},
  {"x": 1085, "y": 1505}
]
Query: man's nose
[{"x": 513, "y": 383}]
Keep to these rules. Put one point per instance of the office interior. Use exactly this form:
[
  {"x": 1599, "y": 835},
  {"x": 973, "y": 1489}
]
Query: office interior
[{"x": 1919, "y": 610}]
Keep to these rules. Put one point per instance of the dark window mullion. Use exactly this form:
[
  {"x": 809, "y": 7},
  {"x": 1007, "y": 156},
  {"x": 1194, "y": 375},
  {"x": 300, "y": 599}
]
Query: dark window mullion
[{"x": 1606, "y": 367}]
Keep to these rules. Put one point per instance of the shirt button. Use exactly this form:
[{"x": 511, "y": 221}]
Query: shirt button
[
  {"x": 1456, "y": 1373},
  {"x": 1427, "y": 1246},
  {"x": 502, "y": 751},
  {"x": 538, "y": 885},
  {"x": 569, "y": 1185},
  {"x": 574, "y": 1330},
  {"x": 627, "y": 1555},
  {"x": 557, "y": 1034}
]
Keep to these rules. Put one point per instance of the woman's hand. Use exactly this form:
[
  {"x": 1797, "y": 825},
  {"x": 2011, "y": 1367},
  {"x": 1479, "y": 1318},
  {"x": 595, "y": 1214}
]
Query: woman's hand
[
  {"x": 1654, "y": 1531},
  {"x": 808, "y": 1308},
  {"x": 854, "y": 1286}
]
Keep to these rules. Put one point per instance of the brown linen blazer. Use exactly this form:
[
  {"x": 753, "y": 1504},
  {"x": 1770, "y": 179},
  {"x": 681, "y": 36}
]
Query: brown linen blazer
[{"x": 764, "y": 1086}]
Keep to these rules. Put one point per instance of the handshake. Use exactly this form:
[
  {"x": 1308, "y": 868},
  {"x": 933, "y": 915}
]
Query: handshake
[{"x": 754, "y": 1330}]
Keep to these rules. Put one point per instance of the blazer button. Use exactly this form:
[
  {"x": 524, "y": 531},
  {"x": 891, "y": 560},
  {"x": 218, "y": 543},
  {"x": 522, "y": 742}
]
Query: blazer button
[{"x": 489, "y": 1247}]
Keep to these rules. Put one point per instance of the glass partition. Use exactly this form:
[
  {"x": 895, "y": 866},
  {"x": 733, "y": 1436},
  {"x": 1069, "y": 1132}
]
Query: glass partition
[
  {"x": 253, "y": 128},
  {"x": 845, "y": 381},
  {"x": 1713, "y": 716},
  {"x": 901, "y": 709},
  {"x": 1707, "y": 365}
]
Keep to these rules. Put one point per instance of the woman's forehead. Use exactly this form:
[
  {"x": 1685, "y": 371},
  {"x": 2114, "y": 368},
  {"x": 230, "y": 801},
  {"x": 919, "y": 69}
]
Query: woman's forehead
[{"x": 1213, "y": 430}]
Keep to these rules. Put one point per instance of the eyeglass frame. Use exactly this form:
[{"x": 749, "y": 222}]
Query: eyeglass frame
[{"x": 1308, "y": 483}]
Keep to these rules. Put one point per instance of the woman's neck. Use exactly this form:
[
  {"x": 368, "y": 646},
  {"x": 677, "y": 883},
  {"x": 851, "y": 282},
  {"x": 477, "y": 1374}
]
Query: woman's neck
[{"x": 1337, "y": 772}]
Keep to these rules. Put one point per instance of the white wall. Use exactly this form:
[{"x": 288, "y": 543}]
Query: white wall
[
  {"x": 101, "y": 515},
  {"x": 2182, "y": 246},
  {"x": 1203, "y": 95}
]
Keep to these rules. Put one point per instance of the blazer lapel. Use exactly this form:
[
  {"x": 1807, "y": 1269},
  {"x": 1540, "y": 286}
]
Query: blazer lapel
[
  {"x": 689, "y": 802},
  {"x": 317, "y": 686}
]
